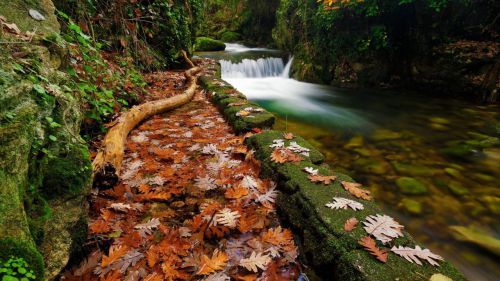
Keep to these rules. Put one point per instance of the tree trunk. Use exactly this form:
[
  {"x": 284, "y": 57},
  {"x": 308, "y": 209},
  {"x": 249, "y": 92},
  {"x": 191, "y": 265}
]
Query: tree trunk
[{"x": 108, "y": 162}]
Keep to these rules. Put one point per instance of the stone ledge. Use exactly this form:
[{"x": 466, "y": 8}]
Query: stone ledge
[{"x": 230, "y": 102}]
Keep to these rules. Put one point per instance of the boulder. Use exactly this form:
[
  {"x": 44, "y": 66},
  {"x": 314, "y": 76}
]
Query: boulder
[{"x": 206, "y": 44}]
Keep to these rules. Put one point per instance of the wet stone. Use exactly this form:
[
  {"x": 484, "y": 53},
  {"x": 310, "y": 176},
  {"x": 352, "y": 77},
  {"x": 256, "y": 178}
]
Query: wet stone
[
  {"x": 411, "y": 186},
  {"x": 453, "y": 172},
  {"x": 457, "y": 188},
  {"x": 385, "y": 135},
  {"x": 355, "y": 142},
  {"x": 478, "y": 237},
  {"x": 412, "y": 169},
  {"x": 371, "y": 166},
  {"x": 411, "y": 206},
  {"x": 492, "y": 203}
]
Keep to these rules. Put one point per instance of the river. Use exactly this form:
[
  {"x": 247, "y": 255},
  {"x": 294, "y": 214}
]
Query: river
[{"x": 432, "y": 162}]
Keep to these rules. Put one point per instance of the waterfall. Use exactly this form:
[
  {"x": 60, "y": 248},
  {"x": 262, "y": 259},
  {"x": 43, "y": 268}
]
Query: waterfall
[{"x": 261, "y": 68}]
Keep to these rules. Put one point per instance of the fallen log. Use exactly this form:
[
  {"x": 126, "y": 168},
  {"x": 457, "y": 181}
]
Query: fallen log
[{"x": 107, "y": 164}]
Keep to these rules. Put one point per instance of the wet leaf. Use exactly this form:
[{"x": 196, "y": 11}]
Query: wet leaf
[{"x": 371, "y": 246}]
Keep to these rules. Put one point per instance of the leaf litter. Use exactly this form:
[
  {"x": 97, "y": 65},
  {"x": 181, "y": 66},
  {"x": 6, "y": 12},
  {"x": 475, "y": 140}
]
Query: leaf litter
[{"x": 190, "y": 206}]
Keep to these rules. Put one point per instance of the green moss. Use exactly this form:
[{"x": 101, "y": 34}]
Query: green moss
[
  {"x": 69, "y": 174},
  {"x": 208, "y": 44},
  {"x": 230, "y": 36},
  {"x": 22, "y": 249},
  {"x": 411, "y": 186}
]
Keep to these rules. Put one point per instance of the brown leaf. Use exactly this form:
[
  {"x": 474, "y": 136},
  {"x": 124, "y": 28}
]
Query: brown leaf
[
  {"x": 354, "y": 189},
  {"x": 288, "y": 136},
  {"x": 282, "y": 156},
  {"x": 210, "y": 265},
  {"x": 236, "y": 192},
  {"x": 326, "y": 180},
  {"x": 371, "y": 246},
  {"x": 115, "y": 252},
  {"x": 351, "y": 224}
]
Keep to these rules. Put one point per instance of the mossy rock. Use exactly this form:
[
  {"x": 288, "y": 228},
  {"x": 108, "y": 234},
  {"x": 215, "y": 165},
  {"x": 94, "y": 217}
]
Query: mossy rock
[
  {"x": 230, "y": 36},
  {"x": 413, "y": 169},
  {"x": 371, "y": 166},
  {"x": 205, "y": 44},
  {"x": 411, "y": 206},
  {"x": 69, "y": 174}
]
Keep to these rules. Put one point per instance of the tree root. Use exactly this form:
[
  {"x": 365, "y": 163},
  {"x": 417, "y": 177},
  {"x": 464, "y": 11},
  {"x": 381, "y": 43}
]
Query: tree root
[{"x": 107, "y": 164}]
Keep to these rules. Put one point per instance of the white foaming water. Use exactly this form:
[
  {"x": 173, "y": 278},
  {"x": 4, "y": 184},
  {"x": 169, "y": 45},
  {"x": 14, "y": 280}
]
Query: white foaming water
[
  {"x": 261, "y": 68},
  {"x": 238, "y": 48},
  {"x": 269, "y": 79}
]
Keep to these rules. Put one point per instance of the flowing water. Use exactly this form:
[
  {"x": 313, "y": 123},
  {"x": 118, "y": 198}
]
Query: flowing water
[{"x": 433, "y": 163}]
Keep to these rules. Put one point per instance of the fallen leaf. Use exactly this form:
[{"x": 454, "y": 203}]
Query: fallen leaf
[
  {"x": 344, "y": 203},
  {"x": 255, "y": 261},
  {"x": 354, "y": 189},
  {"x": 288, "y": 136},
  {"x": 371, "y": 246},
  {"x": 326, "y": 180},
  {"x": 115, "y": 252},
  {"x": 383, "y": 228},
  {"x": 414, "y": 255},
  {"x": 351, "y": 224},
  {"x": 210, "y": 265}
]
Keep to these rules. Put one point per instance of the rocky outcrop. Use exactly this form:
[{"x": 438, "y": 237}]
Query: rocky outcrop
[{"x": 44, "y": 164}]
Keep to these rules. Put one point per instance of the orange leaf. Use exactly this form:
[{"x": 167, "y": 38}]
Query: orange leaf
[
  {"x": 354, "y": 189},
  {"x": 371, "y": 246},
  {"x": 236, "y": 192},
  {"x": 99, "y": 227},
  {"x": 210, "y": 265},
  {"x": 277, "y": 236},
  {"x": 288, "y": 136},
  {"x": 326, "y": 180},
  {"x": 115, "y": 252},
  {"x": 350, "y": 224}
]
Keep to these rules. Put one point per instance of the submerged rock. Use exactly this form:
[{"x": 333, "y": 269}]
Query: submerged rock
[
  {"x": 457, "y": 188},
  {"x": 453, "y": 172},
  {"x": 384, "y": 135},
  {"x": 492, "y": 203},
  {"x": 440, "y": 277},
  {"x": 411, "y": 206},
  {"x": 412, "y": 169},
  {"x": 478, "y": 237},
  {"x": 371, "y": 166},
  {"x": 354, "y": 142},
  {"x": 411, "y": 186}
]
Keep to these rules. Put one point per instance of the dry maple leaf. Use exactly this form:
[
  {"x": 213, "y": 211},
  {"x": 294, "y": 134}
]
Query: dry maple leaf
[
  {"x": 326, "y": 180},
  {"x": 383, "y": 228},
  {"x": 414, "y": 255},
  {"x": 255, "y": 261},
  {"x": 115, "y": 252},
  {"x": 227, "y": 217},
  {"x": 210, "y": 265},
  {"x": 344, "y": 203},
  {"x": 288, "y": 136},
  {"x": 351, "y": 224},
  {"x": 371, "y": 246},
  {"x": 354, "y": 189}
]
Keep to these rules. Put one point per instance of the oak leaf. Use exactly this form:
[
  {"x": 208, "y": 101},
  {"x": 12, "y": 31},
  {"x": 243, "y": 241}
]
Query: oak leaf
[
  {"x": 414, "y": 255},
  {"x": 326, "y": 180},
  {"x": 255, "y": 261},
  {"x": 227, "y": 217},
  {"x": 354, "y": 189},
  {"x": 288, "y": 136},
  {"x": 351, "y": 224},
  {"x": 100, "y": 227},
  {"x": 383, "y": 228},
  {"x": 344, "y": 203},
  {"x": 371, "y": 246},
  {"x": 115, "y": 252},
  {"x": 210, "y": 265}
]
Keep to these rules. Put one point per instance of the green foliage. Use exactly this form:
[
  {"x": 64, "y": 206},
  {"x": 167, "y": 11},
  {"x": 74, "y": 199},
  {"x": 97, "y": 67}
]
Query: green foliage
[
  {"x": 16, "y": 269},
  {"x": 105, "y": 88}
]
